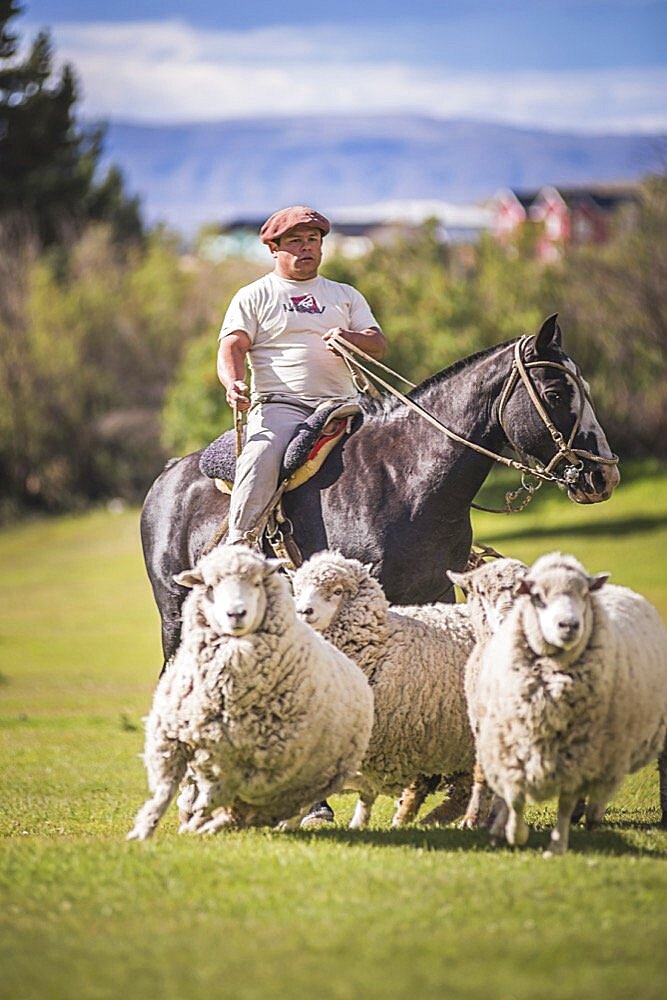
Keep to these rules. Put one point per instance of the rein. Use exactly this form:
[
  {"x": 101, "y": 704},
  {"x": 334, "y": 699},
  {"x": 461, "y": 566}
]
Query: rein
[{"x": 519, "y": 372}]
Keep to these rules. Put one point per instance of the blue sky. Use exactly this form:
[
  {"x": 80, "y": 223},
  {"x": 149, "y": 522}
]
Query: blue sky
[{"x": 598, "y": 65}]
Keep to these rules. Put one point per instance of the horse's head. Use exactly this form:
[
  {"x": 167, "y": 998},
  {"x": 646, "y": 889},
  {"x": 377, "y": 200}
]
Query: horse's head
[{"x": 547, "y": 415}]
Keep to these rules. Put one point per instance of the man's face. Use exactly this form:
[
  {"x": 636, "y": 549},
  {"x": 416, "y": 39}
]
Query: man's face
[{"x": 298, "y": 253}]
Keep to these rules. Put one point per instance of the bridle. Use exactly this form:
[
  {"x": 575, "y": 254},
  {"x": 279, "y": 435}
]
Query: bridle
[
  {"x": 532, "y": 475},
  {"x": 564, "y": 449}
]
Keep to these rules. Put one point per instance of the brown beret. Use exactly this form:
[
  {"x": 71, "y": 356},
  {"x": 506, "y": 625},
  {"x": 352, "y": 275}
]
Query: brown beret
[{"x": 287, "y": 218}]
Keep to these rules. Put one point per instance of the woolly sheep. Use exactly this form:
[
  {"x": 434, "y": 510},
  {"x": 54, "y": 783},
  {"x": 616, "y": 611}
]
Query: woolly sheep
[
  {"x": 490, "y": 594},
  {"x": 571, "y": 695},
  {"x": 266, "y": 714},
  {"x": 415, "y": 669}
]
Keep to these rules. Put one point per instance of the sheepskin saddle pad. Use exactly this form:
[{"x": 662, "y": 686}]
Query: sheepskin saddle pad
[{"x": 305, "y": 453}]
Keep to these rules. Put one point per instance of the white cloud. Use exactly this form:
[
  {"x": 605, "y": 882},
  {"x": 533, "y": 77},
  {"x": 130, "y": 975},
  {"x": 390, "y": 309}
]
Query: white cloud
[{"x": 166, "y": 71}]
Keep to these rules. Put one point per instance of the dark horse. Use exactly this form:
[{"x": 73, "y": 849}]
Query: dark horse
[{"x": 397, "y": 492}]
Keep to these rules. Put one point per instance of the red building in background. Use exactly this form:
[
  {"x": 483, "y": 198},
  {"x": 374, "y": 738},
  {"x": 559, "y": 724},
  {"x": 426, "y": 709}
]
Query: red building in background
[{"x": 564, "y": 215}]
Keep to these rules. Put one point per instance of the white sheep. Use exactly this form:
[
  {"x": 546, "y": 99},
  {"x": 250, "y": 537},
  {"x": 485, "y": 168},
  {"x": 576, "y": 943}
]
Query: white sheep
[
  {"x": 490, "y": 592},
  {"x": 267, "y": 716},
  {"x": 571, "y": 695},
  {"x": 416, "y": 671}
]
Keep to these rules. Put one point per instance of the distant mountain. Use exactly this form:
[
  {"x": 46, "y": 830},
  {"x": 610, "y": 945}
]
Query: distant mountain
[{"x": 195, "y": 173}]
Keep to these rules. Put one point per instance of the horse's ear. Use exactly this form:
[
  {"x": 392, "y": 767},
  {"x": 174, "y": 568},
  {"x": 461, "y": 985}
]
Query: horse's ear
[{"x": 549, "y": 333}]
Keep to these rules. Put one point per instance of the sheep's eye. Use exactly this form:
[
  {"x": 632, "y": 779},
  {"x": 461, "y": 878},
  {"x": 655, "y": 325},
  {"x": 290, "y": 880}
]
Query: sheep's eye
[
  {"x": 338, "y": 591},
  {"x": 537, "y": 601},
  {"x": 209, "y": 593}
]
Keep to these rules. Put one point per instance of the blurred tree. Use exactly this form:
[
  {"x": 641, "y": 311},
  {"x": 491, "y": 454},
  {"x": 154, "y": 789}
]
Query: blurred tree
[
  {"x": 615, "y": 311},
  {"x": 48, "y": 164},
  {"x": 84, "y": 366}
]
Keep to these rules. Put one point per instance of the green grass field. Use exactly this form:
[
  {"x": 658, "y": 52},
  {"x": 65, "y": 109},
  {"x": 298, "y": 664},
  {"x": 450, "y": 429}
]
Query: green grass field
[{"x": 409, "y": 913}]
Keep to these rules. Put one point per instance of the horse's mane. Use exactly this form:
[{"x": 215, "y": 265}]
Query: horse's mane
[{"x": 386, "y": 404}]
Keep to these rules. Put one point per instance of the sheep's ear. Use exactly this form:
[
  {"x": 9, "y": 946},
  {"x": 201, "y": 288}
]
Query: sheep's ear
[
  {"x": 524, "y": 585},
  {"x": 461, "y": 580},
  {"x": 597, "y": 581},
  {"x": 188, "y": 578},
  {"x": 274, "y": 564}
]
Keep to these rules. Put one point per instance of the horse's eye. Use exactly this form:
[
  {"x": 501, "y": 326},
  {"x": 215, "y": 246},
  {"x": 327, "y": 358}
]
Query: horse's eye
[{"x": 554, "y": 396}]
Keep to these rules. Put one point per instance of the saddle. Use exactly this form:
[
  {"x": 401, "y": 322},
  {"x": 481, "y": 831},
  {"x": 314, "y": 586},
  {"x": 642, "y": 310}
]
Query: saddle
[{"x": 305, "y": 454}]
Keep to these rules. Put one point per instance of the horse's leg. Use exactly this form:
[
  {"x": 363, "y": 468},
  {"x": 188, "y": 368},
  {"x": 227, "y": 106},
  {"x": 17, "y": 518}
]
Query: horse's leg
[{"x": 169, "y": 603}]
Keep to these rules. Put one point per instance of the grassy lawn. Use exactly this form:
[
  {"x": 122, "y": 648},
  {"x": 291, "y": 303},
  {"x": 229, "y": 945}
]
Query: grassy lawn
[{"x": 260, "y": 914}]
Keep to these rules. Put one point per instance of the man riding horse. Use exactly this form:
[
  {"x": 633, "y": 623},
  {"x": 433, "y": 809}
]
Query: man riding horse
[{"x": 282, "y": 325}]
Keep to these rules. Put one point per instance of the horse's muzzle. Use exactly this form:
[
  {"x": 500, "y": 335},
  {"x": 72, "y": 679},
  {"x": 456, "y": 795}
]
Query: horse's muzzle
[{"x": 596, "y": 483}]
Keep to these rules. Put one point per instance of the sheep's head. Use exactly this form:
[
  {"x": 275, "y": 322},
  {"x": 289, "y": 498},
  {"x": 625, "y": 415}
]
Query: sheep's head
[
  {"x": 558, "y": 609},
  {"x": 230, "y": 587},
  {"x": 325, "y": 583},
  {"x": 490, "y": 592}
]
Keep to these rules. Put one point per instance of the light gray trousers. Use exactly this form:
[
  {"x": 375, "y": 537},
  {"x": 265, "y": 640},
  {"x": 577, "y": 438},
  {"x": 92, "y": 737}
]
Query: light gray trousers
[{"x": 272, "y": 423}]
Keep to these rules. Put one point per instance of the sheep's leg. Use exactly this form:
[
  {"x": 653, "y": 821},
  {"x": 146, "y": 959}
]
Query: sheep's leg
[
  {"x": 362, "y": 811},
  {"x": 166, "y": 760},
  {"x": 456, "y": 802},
  {"x": 188, "y": 795},
  {"x": 597, "y": 804},
  {"x": 578, "y": 811},
  {"x": 154, "y": 808},
  {"x": 560, "y": 834},
  {"x": 662, "y": 774},
  {"x": 479, "y": 804},
  {"x": 516, "y": 828},
  {"x": 412, "y": 798},
  {"x": 497, "y": 820},
  {"x": 222, "y": 819}
]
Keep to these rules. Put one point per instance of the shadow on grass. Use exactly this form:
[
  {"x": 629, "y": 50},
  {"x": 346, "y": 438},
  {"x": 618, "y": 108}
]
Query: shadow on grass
[
  {"x": 605, "y": 841},
  {"x": 619, "y": 527}
]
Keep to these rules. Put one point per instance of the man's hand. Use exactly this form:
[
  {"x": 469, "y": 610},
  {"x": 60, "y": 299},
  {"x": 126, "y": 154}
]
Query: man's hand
[
  {"x": 237, "y": 395},
  {"x": 335, "y": 331},
  {"x": 371, "y": 340}
]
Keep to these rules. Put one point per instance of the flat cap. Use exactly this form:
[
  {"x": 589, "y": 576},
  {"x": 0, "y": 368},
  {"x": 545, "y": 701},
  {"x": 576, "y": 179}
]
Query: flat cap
[{"x": 288, "y": 218}]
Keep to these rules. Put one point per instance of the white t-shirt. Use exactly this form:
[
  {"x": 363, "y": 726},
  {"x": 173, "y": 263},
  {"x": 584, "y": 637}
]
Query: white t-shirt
[{"x": 285, "y": 321}]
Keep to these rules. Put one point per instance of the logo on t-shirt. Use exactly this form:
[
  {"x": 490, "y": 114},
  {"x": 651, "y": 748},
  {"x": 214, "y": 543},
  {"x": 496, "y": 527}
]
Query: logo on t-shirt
[{"x": 303, "y": 304}]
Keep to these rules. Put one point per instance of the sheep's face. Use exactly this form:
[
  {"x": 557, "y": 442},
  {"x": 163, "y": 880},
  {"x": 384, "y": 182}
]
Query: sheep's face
[
  {"x": 235, "y": 604},
  {"x": 491, "y": 592},
  {"x": 231, "y": 591},
  {"x": 560, "y": 604},
  {"x": 322, "y": 588}
]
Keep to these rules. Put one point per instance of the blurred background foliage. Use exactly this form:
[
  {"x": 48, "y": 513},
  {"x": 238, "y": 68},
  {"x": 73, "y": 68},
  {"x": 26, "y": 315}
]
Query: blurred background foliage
[{"x": 108, "y": 331}]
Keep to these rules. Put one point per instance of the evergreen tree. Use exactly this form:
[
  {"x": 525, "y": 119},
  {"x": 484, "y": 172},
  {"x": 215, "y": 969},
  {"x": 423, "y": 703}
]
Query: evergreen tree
[{"x": 48, "y": 162}]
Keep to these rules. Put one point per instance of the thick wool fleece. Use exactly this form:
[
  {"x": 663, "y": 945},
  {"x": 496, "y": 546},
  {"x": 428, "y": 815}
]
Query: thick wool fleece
[
  {"x": 576, "y": 722},
  {"x": 416, "y": 671},
  {"x": 269, "y": 722}
]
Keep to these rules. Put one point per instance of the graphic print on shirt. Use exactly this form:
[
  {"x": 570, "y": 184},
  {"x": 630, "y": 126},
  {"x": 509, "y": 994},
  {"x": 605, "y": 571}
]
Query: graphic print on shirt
[{"x": 303, "y": 304}]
